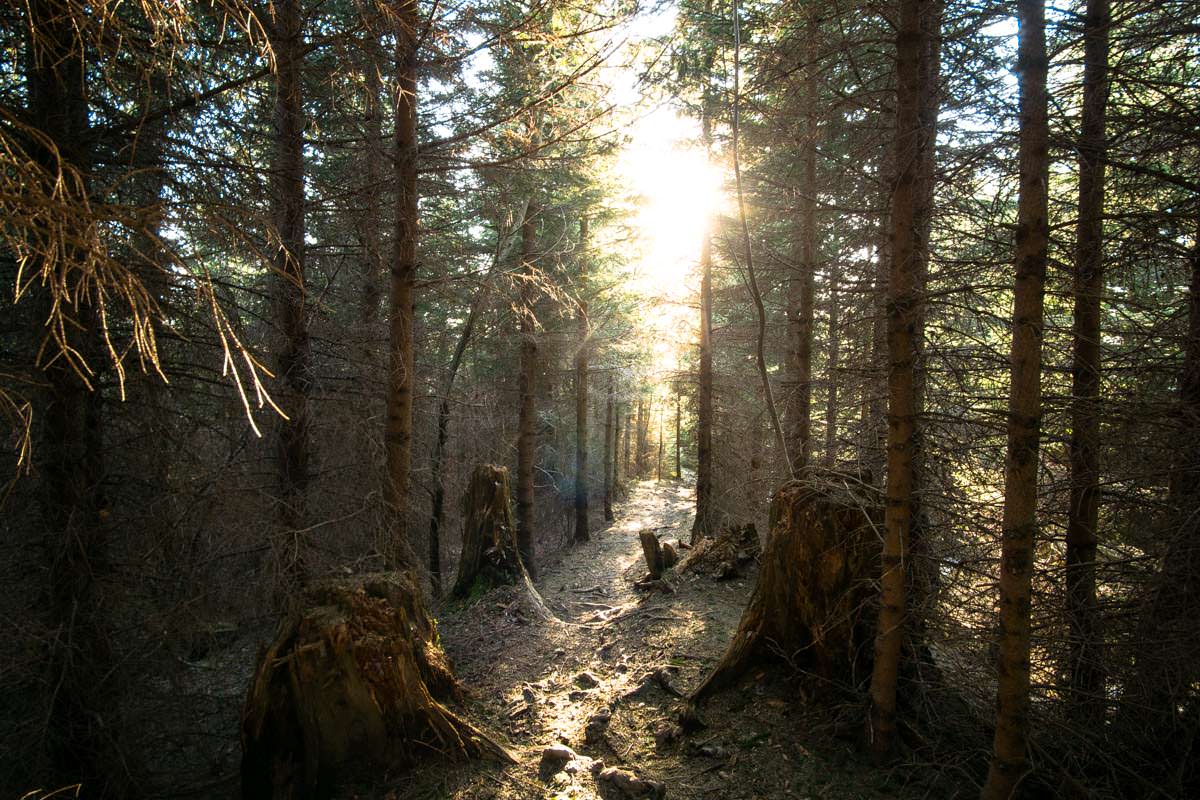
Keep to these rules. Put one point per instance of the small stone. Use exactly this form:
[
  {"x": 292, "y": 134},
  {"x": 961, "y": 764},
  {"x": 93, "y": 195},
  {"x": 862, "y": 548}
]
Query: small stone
[
  {"x": 528, "y": 693},
  {"x": 559, "y": 652},
  {"x": 581, "y": 764},
  {"x": 665, "y": 677},
  {"x": 555, "y": 756},
  {"x": 711, "y": 751},
  {"x": 597, "y": 724},
  {"x": 575, "y": 695},
  {"x": 629, "y": 785},
  {"x": 586, "y": 680},
  {"x": 666, "y": 734}
]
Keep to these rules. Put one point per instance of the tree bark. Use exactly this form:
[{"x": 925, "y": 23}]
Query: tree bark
[
  {"x": 1085, "y": 671},
  {"x": 904, "y": 310},
  {"x": 705, "y": 521},
  {"x": 398, "y": 432},
  {"x": 1019, "y": 525},
  {"x": 659, "y": 473},
  {"x": 71, "y": 453},
  {"x": 831, "y": 392},
  {"x": 642, "y": 456},
  {"x": 367, "y": 221},
  {"x": 628, "y": 439},
  {"x": 527, "y": 412},
  {"x": 618, "y": 489},
  {"x": 813, "y": 590},
  {"x": 289, "y": 289},
  {"x": 581, "y": 395},
  {"x": 678, "y": 434},
  {"x": 652, "y": 550},
  {"x": 489, "y": 556},
  {"x": 610, "y": 448},
  {"x": 800, "y": 284}
]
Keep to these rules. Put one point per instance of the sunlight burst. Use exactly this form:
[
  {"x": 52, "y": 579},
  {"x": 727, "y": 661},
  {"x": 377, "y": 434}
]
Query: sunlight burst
[
  {"x": 677, "y": 191},
  {"x": 674, "y": 192}
]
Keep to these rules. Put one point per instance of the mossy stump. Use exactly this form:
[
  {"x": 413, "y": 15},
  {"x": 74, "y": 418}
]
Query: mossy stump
[
  {"x": 356, "y": 677},
  {"x": 814, "y": 603},
  {"x": 490, "y": 556}
]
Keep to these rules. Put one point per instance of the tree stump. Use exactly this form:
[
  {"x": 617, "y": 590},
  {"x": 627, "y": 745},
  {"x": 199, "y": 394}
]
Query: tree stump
[
  {"x": 814, "y": 604},
  {"x": 490, "y": 556},
  {"x": 669, "y": 556},
  {"x": 355, "y": 677},
  {"x": 653, "y": 552}
]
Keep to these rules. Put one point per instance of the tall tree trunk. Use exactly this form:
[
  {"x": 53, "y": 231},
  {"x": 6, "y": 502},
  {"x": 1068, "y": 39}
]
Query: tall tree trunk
[
  {"x": 70, "y": 454},
  {"x": 705, "y": 521},
  {"x": 800, "y": 284},
  {"x": 916, "y": 84},
  {"x": 629, "y": 439},
  {"x": 527, "y": 412},
  {"x": 398, "y": 431},
  {"x": 658, "y": 475},
  {"x": 289, "y": 288},
  {"x": 1085, "y": 669},
  {"x": 831, "y": 392},
  {"x": 616, "y": 449},
  {"x": 610, "y": 448},
  {"x": 922, "y": 571},
  {"x": 1185, "y": 484},
  {"x": 642, "y": 456},
  {"x": 874, "y": 445},
  {"x": 678, "y": 433},
  {"x": 581, "y": 395},
  {"x": 1025, "y": 409},
  {"x": 367, "y": 222}
]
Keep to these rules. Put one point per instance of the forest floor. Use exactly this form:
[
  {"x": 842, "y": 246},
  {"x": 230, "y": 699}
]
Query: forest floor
[{"x": 608, "y": 674}]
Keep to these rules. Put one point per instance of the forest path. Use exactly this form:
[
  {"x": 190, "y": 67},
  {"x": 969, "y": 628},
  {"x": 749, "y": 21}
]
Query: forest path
[{"x": 609, "y": 673}]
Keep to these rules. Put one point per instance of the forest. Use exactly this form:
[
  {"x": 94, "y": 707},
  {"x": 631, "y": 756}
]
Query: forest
[{"x": 638, "y": 398}]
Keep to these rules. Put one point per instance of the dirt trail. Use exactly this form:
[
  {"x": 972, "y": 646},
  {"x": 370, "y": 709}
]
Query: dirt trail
[{"x": 609, "y": 674}]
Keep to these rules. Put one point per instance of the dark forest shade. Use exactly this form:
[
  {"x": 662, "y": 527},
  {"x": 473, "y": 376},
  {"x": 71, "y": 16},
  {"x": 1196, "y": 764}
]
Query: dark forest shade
[{"x": 254, "y": 200}]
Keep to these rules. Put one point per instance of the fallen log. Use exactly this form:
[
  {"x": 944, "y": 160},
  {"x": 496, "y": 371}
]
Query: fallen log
[{"x": 356, "y": 677}]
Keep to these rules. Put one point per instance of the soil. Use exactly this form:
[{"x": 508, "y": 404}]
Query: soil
[{"x": 608, "y": 674}]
